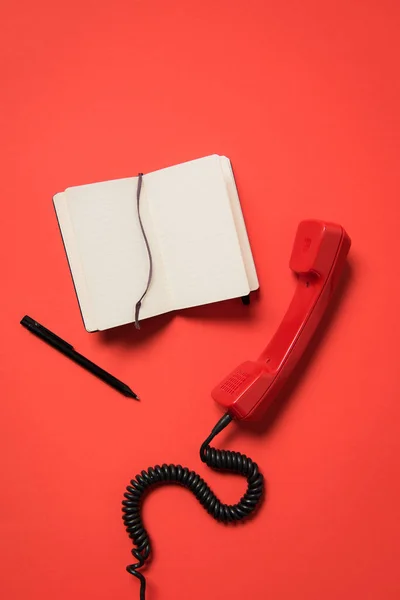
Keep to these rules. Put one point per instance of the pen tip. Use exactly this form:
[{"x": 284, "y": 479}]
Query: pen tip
[{"x": 128, "y": 392}]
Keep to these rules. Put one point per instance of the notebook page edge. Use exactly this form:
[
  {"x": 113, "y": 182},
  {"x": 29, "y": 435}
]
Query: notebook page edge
[
  {"x": 240, "y": 223},
  {"x": 184, "y": 163},
  {"x": 60, "y": 204}
]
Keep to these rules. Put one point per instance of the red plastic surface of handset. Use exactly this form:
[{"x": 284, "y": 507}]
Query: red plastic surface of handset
[{"x": 318, "y": 257}]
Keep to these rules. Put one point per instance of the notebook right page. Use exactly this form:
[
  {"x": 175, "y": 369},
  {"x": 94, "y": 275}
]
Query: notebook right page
[{"x": 193, "y": 221}]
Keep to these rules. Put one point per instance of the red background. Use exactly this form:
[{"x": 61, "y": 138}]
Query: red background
[{"x": 303, "y": 96}]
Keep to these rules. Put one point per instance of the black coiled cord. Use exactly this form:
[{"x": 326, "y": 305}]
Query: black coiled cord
[{"x": 233, "y": 462}]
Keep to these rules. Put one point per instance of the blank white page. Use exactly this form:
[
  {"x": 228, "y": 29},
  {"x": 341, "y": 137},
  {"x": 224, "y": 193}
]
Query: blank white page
[
  {"x": 105, "y": 234},
  {"x": 193, "y": 223}
]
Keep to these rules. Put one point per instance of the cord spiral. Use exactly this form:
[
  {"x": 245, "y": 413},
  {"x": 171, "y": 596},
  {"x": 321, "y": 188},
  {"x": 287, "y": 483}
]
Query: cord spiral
[{"x": 225, "y": 460}]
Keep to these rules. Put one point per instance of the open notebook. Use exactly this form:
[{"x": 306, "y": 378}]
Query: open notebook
[{"x": 193, "y": 221}]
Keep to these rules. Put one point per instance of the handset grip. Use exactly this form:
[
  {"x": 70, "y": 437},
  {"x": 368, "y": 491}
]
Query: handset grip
[{"x": 318, "y": 257}]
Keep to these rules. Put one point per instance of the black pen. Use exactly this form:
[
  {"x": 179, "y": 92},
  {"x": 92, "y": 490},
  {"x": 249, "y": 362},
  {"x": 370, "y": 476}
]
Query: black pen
[{"x": 68, "y": 350}]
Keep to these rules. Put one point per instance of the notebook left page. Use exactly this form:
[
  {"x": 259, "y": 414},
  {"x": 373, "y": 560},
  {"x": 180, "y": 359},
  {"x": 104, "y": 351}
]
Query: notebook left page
[{"x": 107, "y": 255}]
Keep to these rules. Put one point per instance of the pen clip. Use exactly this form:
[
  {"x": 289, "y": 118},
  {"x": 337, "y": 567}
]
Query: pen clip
[{"x": 36, "y": 327}]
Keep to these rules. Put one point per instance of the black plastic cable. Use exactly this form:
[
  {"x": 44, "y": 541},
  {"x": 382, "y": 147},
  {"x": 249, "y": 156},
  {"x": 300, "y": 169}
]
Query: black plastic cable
[{"x": 225, "y": 460}]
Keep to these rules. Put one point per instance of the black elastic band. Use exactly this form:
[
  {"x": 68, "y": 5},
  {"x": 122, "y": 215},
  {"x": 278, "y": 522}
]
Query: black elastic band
[{"x": 139, "y": 302}]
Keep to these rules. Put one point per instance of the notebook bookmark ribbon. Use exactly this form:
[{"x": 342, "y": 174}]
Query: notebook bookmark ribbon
[{"x": 139, "y": 302}]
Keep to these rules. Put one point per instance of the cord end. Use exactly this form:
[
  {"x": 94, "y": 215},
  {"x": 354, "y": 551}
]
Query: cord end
[
  {"x": 222, "y": 423},
  {"x": 137, "y": 310}
]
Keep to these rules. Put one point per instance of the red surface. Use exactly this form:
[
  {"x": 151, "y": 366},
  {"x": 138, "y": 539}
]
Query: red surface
[
  {"x": 304, "y": 98},
  {"x": 319, "y": 259}
]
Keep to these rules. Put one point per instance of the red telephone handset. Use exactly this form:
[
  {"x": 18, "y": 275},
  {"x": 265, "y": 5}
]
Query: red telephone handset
[{"x": 318, "y": 257}]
